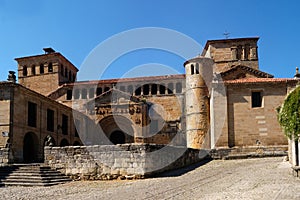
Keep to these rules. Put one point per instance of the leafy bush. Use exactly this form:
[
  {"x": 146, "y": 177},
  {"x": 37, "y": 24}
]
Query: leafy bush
[{"x": 289, "y": 114}]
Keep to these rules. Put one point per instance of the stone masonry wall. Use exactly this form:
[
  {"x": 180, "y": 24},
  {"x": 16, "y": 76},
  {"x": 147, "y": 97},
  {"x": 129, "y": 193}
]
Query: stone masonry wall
[
  {"x": 105, "y": 162},
  {"x": 4, "y": 156}
]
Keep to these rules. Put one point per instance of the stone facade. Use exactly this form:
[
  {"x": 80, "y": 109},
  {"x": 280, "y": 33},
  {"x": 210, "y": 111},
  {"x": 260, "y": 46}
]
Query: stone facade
[
  {"x": 223, "y": 101},
  {"x": 25, "y": 116}
]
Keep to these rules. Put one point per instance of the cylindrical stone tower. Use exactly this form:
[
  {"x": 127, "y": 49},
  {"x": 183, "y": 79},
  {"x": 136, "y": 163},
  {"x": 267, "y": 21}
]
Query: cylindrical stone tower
[{"x": 199, "y": 72}]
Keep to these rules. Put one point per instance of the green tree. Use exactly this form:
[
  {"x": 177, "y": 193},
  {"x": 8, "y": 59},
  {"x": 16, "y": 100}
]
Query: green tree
[{"x": 289, "y": 114}]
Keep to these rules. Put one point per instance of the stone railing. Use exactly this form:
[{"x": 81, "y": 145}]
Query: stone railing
[{"x": 102, "y": 162}]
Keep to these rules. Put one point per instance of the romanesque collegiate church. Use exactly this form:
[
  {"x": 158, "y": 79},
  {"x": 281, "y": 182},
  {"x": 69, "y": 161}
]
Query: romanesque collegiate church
[{"x": 223, "y": 101}]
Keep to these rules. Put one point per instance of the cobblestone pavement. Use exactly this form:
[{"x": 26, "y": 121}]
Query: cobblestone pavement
[{"x": 264, "y": 178}]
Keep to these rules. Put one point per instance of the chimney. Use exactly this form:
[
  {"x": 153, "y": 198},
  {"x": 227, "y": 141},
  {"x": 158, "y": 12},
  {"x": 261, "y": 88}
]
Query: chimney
[
  {"x": 11, "y": 77},
  {"x": 297, "y": 75}
]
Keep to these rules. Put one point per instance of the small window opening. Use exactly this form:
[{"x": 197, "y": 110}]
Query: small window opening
[
  {"x": 256, "y": 99},
  {"x": 24, "y": 71},
  {"x": 33, "y": 70},
  {"x": 42, "y": 68}
]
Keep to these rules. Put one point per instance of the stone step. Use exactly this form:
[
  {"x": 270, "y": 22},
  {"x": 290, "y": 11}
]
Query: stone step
[
  {"x": 30, "y": 175},
  {"x": 33, "y": 177},
  {"x": 26, "y": 184}
]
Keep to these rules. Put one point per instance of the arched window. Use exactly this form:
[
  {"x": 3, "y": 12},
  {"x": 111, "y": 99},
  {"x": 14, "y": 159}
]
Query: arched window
[
  {"x": 197, "y": 68},
  {"x": 98, "y": 91},
  {"x": 138, "y": 91},
  {"x": 130, "y": 89},
  {"x": 41, "y": 68},
  {"x": 24, "y": 71},
  {"x": 170, "y": 88},
  {"x": 91, "y": 93},
  {"x": 122, "y": 88},
  {"x": 146, "y": 89},
  {"x": 32, "y": 70},
  {"x": 178, "y": 88},
  {"x": 83, "y": 94},
  {"x": 192, "y": 69},
  {"x": 106, "y": 89},
  {"x": 50, "y": 67},
  {"x": 154, "y": 89},
  {"x": 162, "y": 89},
  {"x": 64, "y": 142},
  {"x": 76, "y": 94}
]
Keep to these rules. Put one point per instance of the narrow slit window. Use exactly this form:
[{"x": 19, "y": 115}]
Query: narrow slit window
[
  {"x": 50, "y": 67},
  {"x": 192, "y": 69}
]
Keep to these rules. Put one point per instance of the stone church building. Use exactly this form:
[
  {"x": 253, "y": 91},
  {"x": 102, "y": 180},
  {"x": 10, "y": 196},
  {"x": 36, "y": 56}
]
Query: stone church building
[{"x": 223, "y": 101}]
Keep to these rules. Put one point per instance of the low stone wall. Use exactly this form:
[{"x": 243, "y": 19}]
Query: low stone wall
[
  {"x": 4, "y": 156},
  {"x": 249, "y": 152},
  {"x": 103, "y": 162}
]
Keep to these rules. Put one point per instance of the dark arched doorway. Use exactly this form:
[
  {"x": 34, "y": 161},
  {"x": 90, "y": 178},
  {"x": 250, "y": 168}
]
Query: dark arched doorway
[
  {"x": 117, "y": 137},
  {"x": 117, "y": 129},
  {"x": 30, "y": 148},
  {"x": 64, "y": 142}
]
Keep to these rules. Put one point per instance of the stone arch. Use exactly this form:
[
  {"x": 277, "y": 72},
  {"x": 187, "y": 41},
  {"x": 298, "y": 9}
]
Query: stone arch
[
  {"x": 116, "y": 125},
  {"x": 30, "y": 148},
  {"x": 64, "y": 142}
]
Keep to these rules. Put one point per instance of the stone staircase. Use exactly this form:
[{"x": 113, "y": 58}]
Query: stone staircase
[{"x": 30, "y": 175}]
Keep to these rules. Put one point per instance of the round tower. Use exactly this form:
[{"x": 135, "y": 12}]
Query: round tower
[{"x": 199, "y": 72}]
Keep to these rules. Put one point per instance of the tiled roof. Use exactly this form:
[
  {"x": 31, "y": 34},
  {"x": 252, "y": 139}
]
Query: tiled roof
[
  {"x": 261, "y": 80},
  {"x": 124, "y": 80}
]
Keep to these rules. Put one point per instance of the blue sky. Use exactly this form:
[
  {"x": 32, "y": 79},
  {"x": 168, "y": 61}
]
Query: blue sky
[{"x": 75, "y": 28}]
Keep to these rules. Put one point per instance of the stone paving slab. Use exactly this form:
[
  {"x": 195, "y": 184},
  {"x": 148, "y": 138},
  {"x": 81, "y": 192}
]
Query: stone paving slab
[{"x": 262, "y": 178}]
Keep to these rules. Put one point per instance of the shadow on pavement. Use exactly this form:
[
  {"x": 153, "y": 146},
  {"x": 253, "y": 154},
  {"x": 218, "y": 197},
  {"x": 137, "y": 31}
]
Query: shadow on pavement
[{"x": 181, "y": 171}]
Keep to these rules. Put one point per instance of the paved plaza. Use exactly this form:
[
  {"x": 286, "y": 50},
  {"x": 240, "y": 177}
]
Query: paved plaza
[{"x": 264, "y": 178}]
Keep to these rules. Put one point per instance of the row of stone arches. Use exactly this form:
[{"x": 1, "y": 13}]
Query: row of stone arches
[{"x": 32, "y": 149}]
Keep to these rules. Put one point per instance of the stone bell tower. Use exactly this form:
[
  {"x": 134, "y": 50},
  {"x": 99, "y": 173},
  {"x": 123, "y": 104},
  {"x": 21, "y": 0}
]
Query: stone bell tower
[
  {"x": 199, "y": 71},
  {"x": 45, "y": 73}
]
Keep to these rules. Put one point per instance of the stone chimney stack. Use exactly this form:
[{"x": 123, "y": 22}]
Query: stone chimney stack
[{"x": 11, "y": 77}]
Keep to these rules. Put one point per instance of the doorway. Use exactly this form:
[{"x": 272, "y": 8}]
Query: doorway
[
  {"x": 117, "y": 137},
  {"x": 30, "y": 148}
]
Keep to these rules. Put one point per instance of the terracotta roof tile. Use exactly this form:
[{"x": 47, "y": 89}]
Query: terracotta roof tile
[{"x": 261, "y": 80}]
